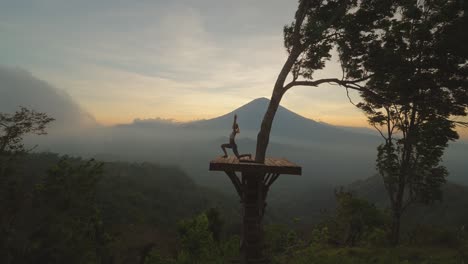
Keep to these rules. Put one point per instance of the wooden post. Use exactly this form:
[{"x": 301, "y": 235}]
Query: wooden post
[
  {"x": 256, "y": 179},
  {"x": 253, "y": 202}
]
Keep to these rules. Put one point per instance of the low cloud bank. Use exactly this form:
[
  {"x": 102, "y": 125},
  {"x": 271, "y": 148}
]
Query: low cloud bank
[{"x": 19, "y": 87}]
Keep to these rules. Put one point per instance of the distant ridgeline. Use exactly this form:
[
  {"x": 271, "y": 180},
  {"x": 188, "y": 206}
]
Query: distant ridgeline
[
  {"x": 138, "y": 192},
  {"x": 147, "y": 193},
  {"x": 329, "y": 154}
]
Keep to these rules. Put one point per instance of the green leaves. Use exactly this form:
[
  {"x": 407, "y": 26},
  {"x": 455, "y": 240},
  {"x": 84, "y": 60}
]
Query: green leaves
[
  {"x": 69, "y": 226},
  {"x": 196, "y": 239},
  {"x": 313, "y": 34},
  {"x": 353, "y": 221}
]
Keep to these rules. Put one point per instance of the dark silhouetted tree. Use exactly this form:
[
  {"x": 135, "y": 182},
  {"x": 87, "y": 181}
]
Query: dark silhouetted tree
[
  {"x": 409, "y": 63},
  {"x": 418, "y": 81},
  {"x": 13, "y": 127},
  {"x": 317, "y": 27}
]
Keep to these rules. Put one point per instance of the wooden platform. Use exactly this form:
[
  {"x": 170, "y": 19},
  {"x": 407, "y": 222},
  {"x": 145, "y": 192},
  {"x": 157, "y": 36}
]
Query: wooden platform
[{"x": 271, "y": 165}]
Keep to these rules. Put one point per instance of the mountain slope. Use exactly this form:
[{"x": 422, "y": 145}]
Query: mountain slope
[
  {"x": 286, "y": 125},
  {"x": 328, "y": 154}
]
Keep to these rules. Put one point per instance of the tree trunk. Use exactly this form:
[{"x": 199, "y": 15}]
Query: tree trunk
[
  {"x": 404, "y": 174},
  {"x": 263, "y": 137},
  {"x": 253, "y": 203},
  {"x": 395, "y": 228},
  {"x": 396, "y": 216}
]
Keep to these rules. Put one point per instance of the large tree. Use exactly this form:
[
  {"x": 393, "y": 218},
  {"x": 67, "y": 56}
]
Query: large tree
[
  {"x": 418, "y": 85},
  {"x": 309, "y": 40},
  {"x": 408, "y": 60},
  {"x": 13, "y": 127}
]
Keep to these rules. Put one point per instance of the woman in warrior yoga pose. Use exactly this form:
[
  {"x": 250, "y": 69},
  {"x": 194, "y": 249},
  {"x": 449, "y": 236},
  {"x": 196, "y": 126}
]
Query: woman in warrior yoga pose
[{"x": 232, "y": 143}]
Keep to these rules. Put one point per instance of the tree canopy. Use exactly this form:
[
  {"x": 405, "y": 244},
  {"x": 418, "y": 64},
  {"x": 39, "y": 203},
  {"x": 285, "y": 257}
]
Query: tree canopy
[
  {"x": 407, "y": 61},
  {"x": 417, "y": 86}
]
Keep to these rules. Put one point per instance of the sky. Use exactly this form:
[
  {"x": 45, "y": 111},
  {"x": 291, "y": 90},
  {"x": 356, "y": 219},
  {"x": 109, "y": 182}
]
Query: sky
[{"x": 180, "y": 59}]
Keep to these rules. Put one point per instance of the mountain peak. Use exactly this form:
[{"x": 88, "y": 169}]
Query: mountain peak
[
  {"x": 256, "y": 104},
  {"x": 250, "y": 116},
  {"x": 261, "y": 99}
]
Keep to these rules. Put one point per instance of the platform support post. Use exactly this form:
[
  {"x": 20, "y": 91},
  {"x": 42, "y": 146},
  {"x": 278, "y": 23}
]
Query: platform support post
[
  {"x": 253, "y": 203},
  {"x": 252, "y": 187}
]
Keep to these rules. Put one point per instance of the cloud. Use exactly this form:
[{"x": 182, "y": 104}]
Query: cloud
[
  {"x": 123, "y": 62},
  {"x": 177, "y": 59},
  {"x": 20, "y": 88}
]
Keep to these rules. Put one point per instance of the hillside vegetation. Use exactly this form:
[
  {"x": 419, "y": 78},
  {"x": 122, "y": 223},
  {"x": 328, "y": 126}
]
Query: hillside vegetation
[
  {"x": 56, "y": 204},
  {"x": 71, "y": 210}
]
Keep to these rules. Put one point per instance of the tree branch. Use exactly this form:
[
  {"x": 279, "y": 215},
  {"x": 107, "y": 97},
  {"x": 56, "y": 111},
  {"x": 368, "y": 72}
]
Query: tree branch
[
  {"x": 350, "y": 84},
  {"x": 380, "y": 132},
  {"x": 459, "y": 123}
]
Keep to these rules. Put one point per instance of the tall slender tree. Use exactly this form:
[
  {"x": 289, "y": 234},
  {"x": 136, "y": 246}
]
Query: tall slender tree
[{"x": 308, "y": 41}]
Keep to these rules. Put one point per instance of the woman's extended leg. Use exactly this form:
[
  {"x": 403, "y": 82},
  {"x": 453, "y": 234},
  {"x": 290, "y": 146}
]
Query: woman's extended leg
[
  {"x": 223, "y": 147},
  {"x": 234, "y": 149}
]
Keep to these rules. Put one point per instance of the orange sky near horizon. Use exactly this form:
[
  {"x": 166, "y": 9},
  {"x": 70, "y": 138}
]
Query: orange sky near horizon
[
  {"x": 337, "y": 121},
  {"x": 355, "y": 120}
]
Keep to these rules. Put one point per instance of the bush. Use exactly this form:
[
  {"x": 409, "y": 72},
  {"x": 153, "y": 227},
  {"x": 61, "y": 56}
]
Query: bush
[
  {"x": 276, "y": 239},
  {"x": 354, "y": 221},
  {"x": 196, "y": 239},
  {"x": 376, "y": 237},
  {"x": 320, "y": 235},
  {"x": 435, "y": 236}
]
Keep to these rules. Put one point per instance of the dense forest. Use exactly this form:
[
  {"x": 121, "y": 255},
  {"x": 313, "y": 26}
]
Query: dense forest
[
  {"x": 69, "y": 210},
  {"x": 62, "y": 209}
]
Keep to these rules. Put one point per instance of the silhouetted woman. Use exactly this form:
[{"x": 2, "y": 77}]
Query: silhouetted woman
[{"x": 232, "y": 143}]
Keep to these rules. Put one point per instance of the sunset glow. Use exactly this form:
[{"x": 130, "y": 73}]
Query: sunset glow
[{"x": 176, "y": 60}]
